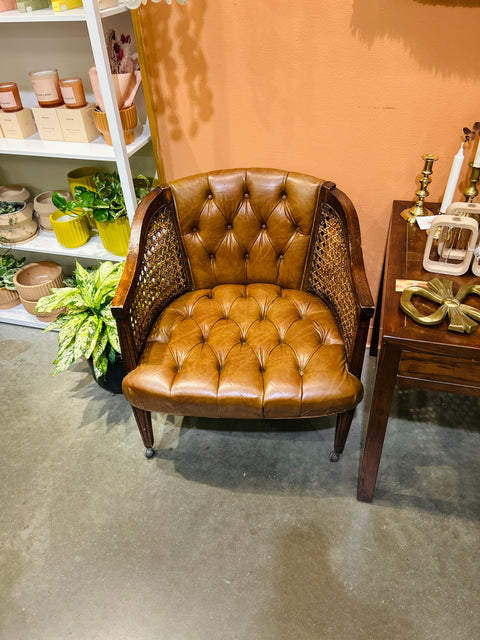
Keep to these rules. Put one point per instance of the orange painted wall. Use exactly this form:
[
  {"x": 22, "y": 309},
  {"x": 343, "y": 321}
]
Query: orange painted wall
[{"x": 354, "y": 91}]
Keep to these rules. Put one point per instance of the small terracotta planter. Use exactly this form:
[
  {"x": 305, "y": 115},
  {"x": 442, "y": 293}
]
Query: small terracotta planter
[
  {"x": 18, "y": 227},
  {"x": 8, "y": 5},
  {"x": 8, "y": 298},
  {"x": 128, "y": 118},
  {"x": 14, "y": 193},
  {"x": 44, "y": 207},
  {"x": 34, "y": 280},
  {"x": 30, "y": 305},
  {"x": 70, "y": 231}
]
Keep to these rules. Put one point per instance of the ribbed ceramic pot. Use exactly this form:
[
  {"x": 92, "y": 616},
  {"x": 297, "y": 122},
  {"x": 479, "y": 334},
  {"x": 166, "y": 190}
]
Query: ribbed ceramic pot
[
  {"x": 34, "y": 280},
  {"x": 44, "y": 207},
  {"x": 128, "y": 118},
  {"x": 83, "y": 177},
  {"x": 8, "y": 298},
  {"x": 18, "y": 227},
  {"x": 115, "y": 235},
  {"x": 14, "y": 193},
  {"x": 30, "y": 305},
  {"x": 70, "y": 231}
]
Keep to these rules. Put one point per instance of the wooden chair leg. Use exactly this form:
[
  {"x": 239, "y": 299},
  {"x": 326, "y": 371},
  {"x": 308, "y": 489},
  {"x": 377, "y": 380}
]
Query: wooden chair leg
[
  {"x": 144, "y": 423},
  {"x": 344, "y": 420}
]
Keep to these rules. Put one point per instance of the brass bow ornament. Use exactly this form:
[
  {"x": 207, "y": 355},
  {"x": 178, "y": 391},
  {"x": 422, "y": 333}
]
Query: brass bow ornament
[{"x": 441, "y": 291}]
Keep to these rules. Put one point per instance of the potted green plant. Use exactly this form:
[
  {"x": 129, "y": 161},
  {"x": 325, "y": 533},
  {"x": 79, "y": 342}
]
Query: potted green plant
[
  {"x": 9, "y": 265},
  {"x": 86, "y": 327},
  {"x": 107, "y": 206}
]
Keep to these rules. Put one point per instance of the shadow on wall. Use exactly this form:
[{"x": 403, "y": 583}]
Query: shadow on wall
[
  {"x": 431, "y": 31},
  {"x": 175, "y": 34}
]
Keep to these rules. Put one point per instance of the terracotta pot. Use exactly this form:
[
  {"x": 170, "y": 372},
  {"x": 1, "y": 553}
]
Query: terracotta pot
[
  {"x": 128, "y": 118},
  {"x": 44, "y": 207},
  {"x": 14, "y": 193},
  {"x": 8, "y": 298},
  {"x": 8, "y": 5},
  {"x": 18, "y": 227},
  {"x": 30, "y": 305},
  {"x": 115, "y": 235},
  {"x": 34, "y": 280}
]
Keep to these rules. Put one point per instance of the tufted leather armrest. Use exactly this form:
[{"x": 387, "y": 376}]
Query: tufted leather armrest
[
  {"x": 156, "y": 272},
  {"x": 336, "y": 273}
]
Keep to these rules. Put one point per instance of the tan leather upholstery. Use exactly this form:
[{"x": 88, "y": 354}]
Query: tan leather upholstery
[
  {"x": 248, "y": 226},
  {"x": 244, "y": 296},
  {"x": 244, "y": 351}
]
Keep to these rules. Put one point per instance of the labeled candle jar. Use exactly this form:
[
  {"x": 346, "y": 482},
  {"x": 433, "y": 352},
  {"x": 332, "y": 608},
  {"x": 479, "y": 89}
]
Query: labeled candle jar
[
  {"x": 47, "y": 87},
  {"x": 10, "y": 97},
  {"x": 72, "y": 92}
]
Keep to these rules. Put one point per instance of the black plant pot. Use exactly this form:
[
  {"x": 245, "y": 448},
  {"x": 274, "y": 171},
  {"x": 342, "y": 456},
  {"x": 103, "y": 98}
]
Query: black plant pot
[{"x": 112, "y": 381}]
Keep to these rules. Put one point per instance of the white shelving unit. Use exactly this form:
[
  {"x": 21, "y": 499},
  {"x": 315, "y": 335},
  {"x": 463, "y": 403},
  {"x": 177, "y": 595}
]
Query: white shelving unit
[{"x": 97, "y": 150}]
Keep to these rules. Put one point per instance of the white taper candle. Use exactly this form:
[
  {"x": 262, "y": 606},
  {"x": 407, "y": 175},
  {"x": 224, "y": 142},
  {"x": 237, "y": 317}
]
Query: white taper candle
[{"x": 453, "y": 179}]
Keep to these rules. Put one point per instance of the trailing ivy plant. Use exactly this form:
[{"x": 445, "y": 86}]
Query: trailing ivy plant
[
  {"x": 9, "y": 265},
  {"x": 86, "y": 327},
  {"x": 10, "y": 207}
]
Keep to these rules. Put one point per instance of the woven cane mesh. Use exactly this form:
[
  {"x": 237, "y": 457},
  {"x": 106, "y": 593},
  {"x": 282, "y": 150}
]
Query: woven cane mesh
[
  {"x": 330, "y": 276},
  {"x": 162, "y": 276}
]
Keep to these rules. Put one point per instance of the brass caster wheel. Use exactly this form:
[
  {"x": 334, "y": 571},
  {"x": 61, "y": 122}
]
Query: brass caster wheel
[
  {"x": 149, "y": 452},
  {"x": 334, "y": 456}
]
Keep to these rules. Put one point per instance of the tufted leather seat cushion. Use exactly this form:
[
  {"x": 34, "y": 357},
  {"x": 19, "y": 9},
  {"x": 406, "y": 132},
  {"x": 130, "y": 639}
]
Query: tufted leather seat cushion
[{"x": 244, "y": 351}]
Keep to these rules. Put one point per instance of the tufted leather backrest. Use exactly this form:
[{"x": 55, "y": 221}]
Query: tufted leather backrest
[{"x": 242, "y": 226}]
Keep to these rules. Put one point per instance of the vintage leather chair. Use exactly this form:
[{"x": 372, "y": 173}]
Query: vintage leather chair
[{"x": 244, "y": 296}]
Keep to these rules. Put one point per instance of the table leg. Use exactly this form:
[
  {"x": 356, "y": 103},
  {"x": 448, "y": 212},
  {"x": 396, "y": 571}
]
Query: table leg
[
  {"x": 378, "y": 315},
  {"x": 382, "y": 397}
]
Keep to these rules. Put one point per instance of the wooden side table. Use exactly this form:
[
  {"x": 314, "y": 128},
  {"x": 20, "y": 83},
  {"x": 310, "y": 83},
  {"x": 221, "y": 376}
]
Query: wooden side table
[{"x": 411, "y": 354}]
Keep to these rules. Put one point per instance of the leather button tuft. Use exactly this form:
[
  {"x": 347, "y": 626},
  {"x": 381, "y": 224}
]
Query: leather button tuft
[
  {"x": 246, "y": 196},
  {"x": 246, "y": 256},
  {"x": 229, "y": 226},
  {"x": 264, "y": 226},
  {"x": 284, "y": 197},
  {"x": 210, "y": 197},
  {"x": 212, "y": 256},
  {"x": 195, "y": 229}
]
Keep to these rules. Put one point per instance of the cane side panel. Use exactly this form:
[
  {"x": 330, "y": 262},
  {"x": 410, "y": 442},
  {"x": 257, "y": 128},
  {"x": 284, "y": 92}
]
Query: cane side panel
[
  {"x": 330, "y": 275},
  {"x": 162, "y": 276}
]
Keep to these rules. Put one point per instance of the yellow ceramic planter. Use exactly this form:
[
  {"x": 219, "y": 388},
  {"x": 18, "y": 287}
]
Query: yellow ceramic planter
[
  {"x": 70, "y": 232},
  {"x": 115, "y": 235}
]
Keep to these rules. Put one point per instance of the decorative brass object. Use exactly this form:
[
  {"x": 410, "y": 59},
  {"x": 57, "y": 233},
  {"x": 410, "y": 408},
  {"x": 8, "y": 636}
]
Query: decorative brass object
[
  {"x": 441, "y": 291},
  {"x": 471, "y": 192},
  {"x": 418, "y": 208}
]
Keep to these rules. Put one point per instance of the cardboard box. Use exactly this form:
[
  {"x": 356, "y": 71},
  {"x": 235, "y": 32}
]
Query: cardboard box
[
  {"x": 17, "y": 124},
  {"x": 48, "y": 124},
  {"x": 77, "y": 124}
]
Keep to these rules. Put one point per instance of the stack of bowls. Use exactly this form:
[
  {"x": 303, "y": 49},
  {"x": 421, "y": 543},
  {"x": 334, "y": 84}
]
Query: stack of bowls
[{"x": 35, "y": 280}]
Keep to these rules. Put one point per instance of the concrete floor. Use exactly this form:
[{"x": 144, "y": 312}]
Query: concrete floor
[{"x": 230, "y": 532}]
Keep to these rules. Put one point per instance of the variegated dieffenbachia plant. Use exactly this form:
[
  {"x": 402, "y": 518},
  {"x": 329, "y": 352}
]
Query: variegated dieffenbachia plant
[
  {"x": 9, "y": 265},
  {"x": 86, "y": 327}
]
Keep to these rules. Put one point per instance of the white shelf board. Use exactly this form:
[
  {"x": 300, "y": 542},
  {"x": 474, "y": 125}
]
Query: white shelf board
[
  {"x": 46, "y": 242},
  {"x": 98, "y": 149},
  {"x": 49, "y": 15},
  {"x": 18, "y": 315}
]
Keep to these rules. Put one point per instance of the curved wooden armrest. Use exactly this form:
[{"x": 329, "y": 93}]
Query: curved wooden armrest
[{"x": 156, "y": 271}]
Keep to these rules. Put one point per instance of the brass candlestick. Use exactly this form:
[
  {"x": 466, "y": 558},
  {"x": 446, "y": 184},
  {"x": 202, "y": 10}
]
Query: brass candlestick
[
  {"x": 418, "y": 208},
  {"x": 471, "y": 192}
]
